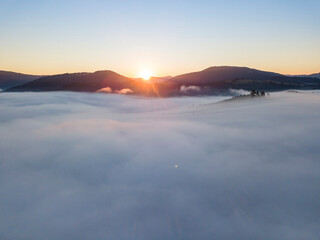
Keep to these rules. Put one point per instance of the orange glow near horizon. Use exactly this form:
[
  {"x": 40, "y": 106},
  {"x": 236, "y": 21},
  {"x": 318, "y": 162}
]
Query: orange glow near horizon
[{"x": 145, "y": 75}]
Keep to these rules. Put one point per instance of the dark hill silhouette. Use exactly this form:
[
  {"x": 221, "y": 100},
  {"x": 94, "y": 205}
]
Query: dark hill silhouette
[
  {"x": 243, "y": 78},
  {"x": 209, "y": 81},
  {"x": 314, "y": 75},
  {"x": 221, "y": 74},
  {"x": 93, "y": 82},
  {"x": 10, "y": 79},
  {"x": 83, "y": 82}
]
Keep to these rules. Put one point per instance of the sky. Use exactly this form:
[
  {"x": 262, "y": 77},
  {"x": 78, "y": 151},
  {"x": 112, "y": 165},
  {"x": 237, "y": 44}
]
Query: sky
[
  {"x": 104, "y": 166},
  {"x": 167, "y": 37}
]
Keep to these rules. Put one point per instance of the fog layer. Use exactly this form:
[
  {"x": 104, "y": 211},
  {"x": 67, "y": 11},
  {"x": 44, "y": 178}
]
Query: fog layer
[{"x": 102, "y": 166}]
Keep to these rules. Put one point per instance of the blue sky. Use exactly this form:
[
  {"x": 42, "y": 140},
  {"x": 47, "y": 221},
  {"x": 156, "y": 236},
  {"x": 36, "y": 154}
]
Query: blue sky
[{"x": 165, "y": 37}]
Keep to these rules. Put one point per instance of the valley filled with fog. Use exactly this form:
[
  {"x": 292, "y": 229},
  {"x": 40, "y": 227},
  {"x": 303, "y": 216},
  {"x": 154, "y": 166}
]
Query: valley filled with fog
[{"x": 107, "y": 166}]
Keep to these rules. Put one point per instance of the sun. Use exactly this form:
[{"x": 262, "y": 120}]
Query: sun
[{"x": 145, "y": 75}]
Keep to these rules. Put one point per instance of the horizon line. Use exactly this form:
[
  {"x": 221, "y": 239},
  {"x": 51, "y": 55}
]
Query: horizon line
[{"x": 159, "y": 76}]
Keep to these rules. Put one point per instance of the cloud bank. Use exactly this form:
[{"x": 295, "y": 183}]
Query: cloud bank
[
  {"x": 190, "y": 89},
  {"x": 105, "y": 90},
  {"x": 125, "y": 91},
  {"x": 237, "y": 92},
  {"x": 94, "y": 166}
]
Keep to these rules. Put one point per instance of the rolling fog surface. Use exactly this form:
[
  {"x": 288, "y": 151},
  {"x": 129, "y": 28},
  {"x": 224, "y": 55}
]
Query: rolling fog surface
[{"x": 96, "y": 166}]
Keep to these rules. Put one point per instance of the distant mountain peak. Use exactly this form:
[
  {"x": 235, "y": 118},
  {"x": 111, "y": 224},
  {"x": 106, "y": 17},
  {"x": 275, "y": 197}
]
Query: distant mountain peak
[
  {"x": 313, "y": 75},
  {"x": 225, "y": 68}
]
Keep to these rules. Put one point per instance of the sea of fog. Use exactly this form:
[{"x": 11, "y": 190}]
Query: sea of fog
[{"x": 79, "y": 166}]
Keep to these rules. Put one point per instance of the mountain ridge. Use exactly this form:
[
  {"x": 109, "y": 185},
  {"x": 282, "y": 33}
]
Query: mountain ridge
[
  {"x": 208, "y": 81},
  {"x": 313, "y": 75},
  {"x": 10, "y": 79}
]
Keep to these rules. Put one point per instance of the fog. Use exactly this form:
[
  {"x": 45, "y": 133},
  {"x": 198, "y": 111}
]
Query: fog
[
  {"x": 108, "y": 166},
  {"x": 190, "y": 89}
]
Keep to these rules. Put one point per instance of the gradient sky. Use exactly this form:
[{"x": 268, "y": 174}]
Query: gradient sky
[{"x": 167, "y": 37}]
